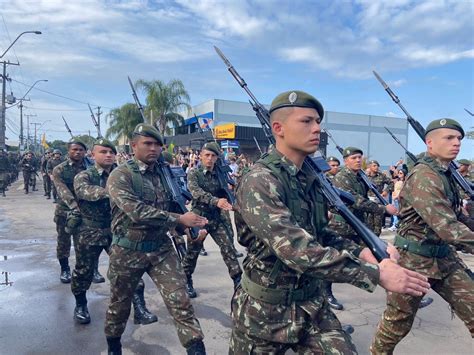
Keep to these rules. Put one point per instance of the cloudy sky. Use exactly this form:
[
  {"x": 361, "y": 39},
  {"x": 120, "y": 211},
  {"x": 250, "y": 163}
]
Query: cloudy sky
[{"x": 424, "y": 49}]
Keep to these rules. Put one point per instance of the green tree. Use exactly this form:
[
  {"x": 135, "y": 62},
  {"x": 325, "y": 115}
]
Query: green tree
[
  {"x": 164, "y": 101},
  {"x": 123, "y": 121}
]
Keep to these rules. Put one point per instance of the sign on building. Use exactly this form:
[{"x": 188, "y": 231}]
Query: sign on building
[{"x": 225, "y": 131}]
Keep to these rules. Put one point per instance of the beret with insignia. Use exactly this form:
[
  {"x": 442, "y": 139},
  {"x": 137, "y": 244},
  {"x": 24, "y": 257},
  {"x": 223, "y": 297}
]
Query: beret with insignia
[
  {"x": 464, "y": 162},
  {"x": 57, "y": 151},
  {"x": 350, "y": 151},
  {"x": 333, "y": 159},
  {"x": 296, "y": 98},
  {"x": 105, "y": 143},
  {"x": 76, "y": 140},
  {"x": 147, "y": 130},
  {"x": 374, "y": 162},
  {"x": 444, "y": 123},
  {"x": 213, "y": 147}
]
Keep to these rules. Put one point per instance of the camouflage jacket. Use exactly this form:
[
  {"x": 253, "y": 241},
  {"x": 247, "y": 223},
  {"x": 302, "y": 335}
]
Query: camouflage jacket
[
  {"x": 138, "y": 216},
  {"x": 270, "y": 232},
  {"x": 51, "y": 164},
  {"x": 63, "y": 179},
  {"x": 4, "y": 164},
  {"x": 430, "y": 211},
  {"x": 382, "y": 182},
  {"x": 29, "y": 165},
  {"x": 204, "y": 186},
  {"x": 44, "y": 163},
  {"x": 330, "y": 176}
]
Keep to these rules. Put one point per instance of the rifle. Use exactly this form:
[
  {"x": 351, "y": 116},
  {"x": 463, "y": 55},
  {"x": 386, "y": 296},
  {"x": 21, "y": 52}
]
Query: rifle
[
  {"x": 421, "y": 133},
  {"x": 370, "y": 185},
  {"x": 410, "y": 154},
  {"x": 318, "y": 166},
  {"x": 469, "y": 112},
  {"x": 67, "y": 127},
  {"x": 96, "y": 124},
  {"x": 170, "y": 178},
  {"x": 258, "y": 145},
  {"x": 223, "y": 171}
]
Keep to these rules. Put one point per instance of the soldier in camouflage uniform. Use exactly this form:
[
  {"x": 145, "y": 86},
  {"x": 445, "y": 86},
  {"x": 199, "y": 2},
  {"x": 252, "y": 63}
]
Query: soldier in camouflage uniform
[
  {"x": 28, "y": 167},
  {"x": 4, "y": 172},
  {"x": 209, "y": 201},
  {"x": 281, "y": 220},
  {"x": 95, "y": 235},
  {"x": 335, "y": 164},
  {"x": 67, "y": 214},
  {"x": 464, "y": 170},
  {"x": 384, "y": 185},
  {"x": 46, "y": 178},
  {"x": 430, "y": 231},
  {"x": 50, "y": 165},
  {"x": 13, "y": 158},
  {"x": 140, "y": 222}
]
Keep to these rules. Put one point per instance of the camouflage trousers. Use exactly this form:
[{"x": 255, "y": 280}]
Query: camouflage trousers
[
  {"x": 87, "y": 255},
  {"x": 457, "y": 289},
  {"x": 63, "y": 247},
  {"x": 220, "y": 234},
  {"x": 4, "y": 180},
  {"x": 126, "y": 267},
  {"x": 47, "y": 184},
  {"x": 375, "y": 222},
  {"x": 27, "y": 177}
]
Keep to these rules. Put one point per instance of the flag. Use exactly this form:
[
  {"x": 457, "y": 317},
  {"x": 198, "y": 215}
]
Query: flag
[
  {"x": 171, "y": 148},
  {"x": 43, "y": 142}
]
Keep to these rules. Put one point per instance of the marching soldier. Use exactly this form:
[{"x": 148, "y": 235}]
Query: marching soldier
[
  {"x": 431, "y": 229},
  {"x": 50, "y": 165},
  {"x": 28, "y": 166},
  {"x": 94, "y": 233},
  {"x": 46, "y": 179},
  {"x": 67, "y": 215},
  {"x": 140, "y": 222},
  {"x": 384, "y": 185},
  {"x": 4, "y": 172},
  {"x": 281, "y": 219},
  {"x": 208, "y": 201}
]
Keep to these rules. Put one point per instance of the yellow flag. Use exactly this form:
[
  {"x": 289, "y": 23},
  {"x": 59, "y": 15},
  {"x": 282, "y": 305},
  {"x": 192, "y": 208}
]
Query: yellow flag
[
  {"x": 43, "y": 141},
  {"x": 171, "y": 148}
]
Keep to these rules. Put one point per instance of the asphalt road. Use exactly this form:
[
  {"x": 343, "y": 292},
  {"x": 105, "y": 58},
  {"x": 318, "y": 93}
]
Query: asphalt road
[{"x": 36, "y": 309}]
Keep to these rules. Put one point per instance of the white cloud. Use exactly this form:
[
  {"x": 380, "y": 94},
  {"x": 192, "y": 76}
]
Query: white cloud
[
  {"x": 397, "y": 83},
  {"x": 391, "y": 114}
]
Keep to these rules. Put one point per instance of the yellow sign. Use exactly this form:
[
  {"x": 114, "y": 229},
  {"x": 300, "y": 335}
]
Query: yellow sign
[{"x": 225, "y": 131}]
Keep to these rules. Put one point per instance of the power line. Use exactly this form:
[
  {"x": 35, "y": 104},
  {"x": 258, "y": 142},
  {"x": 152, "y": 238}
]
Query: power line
[{"x": 56, "y": 109}]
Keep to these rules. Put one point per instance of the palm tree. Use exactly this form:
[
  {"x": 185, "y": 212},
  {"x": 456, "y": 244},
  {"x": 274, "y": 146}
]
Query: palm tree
[
  {"x": 123, "y": 121},
  {"x": 163, "y": 101}
]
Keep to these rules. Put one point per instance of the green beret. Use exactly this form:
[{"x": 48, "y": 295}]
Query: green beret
[
  {"x": 374, "y": 162},
  {"x": 350, "y": 151},
  {"x": 297, "y": 99},
  {"x": 213, "y": 147},
  {"x": 464, "y": 162},
  {"x": 57, "y": 151},
  {"x": 75, "y": 140},
  {"x": 167, "y": 156},
  {"x": 147, "y": 130},
  {"x": 333, "y": 159},
  {"x": 105, "y": 143},
  {"x": 49, "y": 150},
  {"x": 444, "y": 123}
]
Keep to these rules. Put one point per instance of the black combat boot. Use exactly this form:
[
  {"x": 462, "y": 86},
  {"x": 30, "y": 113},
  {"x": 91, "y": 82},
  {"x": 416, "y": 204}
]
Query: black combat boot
[
  {"x": 195, "y": 347},
  {"x": 238, "y": 253},
  {"x": 141, "y": 315},
  {"x": 190, "y": 288},
  {"x": 425, "y": 302},
  {"x": 349, "y": 329},
  {"x": 65, "y": 276},
  {"x": 236, "y": 280},
  {"x": 203, "y": 251},
  {"x": 3, "y": 193},
  {"x": 114, "y": 345},
  {"x": 81, "y": 313},
  {"x": 97, "y": 278},
  {"x": 333, "y": 302}
]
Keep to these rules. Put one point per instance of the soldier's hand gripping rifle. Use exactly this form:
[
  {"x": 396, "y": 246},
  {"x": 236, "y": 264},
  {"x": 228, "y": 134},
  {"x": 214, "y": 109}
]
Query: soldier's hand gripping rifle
[
  {"x": 370, "y": 185},
  {"x": 67, "y": 127},
  {"x": 318, "y": 166},
  {"x": 460, "y": 180},
  {"x": 223, "y": 172},
  {"x": 96, "y": 124},
  {"x": 408, "y": 153},
  {"x": 170, "y": 179}
]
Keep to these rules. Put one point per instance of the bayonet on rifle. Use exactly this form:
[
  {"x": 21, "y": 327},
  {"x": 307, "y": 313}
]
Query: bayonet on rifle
[
  {"x": 460, "y": 180},
  {"x": 410, "y": 154},
  {"x": 318, "y": 166},
  {"x": 67, "y": 127}
]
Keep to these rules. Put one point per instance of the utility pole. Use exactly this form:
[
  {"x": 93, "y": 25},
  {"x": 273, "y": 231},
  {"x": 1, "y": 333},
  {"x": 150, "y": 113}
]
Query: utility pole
[
  {"x": 28, "y": 139},
  {"x": 36, "y": 124},
  {"x": 4, "y": 107},
  {"x": 21, "y": 120}
]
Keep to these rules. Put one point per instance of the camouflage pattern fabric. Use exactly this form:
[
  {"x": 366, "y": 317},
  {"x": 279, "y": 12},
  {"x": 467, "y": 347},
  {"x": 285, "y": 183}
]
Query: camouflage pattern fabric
[
  {"x": 204, "y": 186},
  {"x": 347, "y": 180},
  {"x": 268, "y": 229},
  {"x": 63, "y": 246},
  {"x": 50, "y": 165},
  {"x": 145, "y": 218},
  {"x": 28, "y": 167},
  {"x": 46, "y": 178},
  {"x": 430, "y": 216},
  {"x": 383, "y": 184},
  {"x": 4, "y": 171}
]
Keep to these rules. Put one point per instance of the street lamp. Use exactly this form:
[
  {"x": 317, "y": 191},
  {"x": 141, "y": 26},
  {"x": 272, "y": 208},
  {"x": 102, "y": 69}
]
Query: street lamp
[{"x": 4, "y": 79}]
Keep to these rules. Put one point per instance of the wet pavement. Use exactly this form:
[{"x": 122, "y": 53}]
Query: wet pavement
[{"x": 36, "y": 310}]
